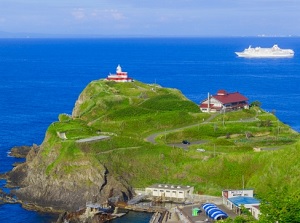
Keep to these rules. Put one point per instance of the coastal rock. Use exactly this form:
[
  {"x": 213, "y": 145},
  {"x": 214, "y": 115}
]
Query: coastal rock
[
  {"x": 67, "y": 185},
  {"x": 32, "y": 153},
  {"x": 3, "y": 175},
  {"x": 63, "y": 174},
  {"x": 15, "y": 178},
  {"x": 21, "y": 151}
]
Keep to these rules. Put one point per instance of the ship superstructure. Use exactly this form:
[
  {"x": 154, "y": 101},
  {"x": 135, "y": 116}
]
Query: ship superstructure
[{"x": 260, "y": 52}]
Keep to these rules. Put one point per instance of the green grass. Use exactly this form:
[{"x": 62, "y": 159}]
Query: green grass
[
  {"x": 129, "y": 112},
  {"x": 169, "y": 102},
  {"x": 74, "y": 129},
  {"x": 67, "y": 152}
]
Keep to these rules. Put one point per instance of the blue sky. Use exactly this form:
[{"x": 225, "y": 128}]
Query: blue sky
[{"x": 151, "y": 17}]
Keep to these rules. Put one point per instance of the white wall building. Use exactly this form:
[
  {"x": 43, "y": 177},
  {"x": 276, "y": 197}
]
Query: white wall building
[
  {"x": 224, "y": 101},
  {"x": 236, "y": 199},
  {"x": 255, "y": 211},
  {"x": 170, "y": 192},
  {"x": 235, "y": 193}
]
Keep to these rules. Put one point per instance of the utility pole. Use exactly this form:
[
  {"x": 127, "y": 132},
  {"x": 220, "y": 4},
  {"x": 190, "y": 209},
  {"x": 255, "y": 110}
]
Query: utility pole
[
  {"x": 214, "y": 150},
  {"x": 208, "y": 103},
  {"x": 243, "y": 181},
  {"x": 277, "y": 129},
  {"x": 224, "y": 110}
]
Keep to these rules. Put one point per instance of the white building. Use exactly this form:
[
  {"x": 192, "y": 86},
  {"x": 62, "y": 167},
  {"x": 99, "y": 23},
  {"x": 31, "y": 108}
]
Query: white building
[
  {"x": 119, "y": 76},
  {"x": 235, "y": 193},
  {"x": 236, "y": 199},
  {"x": 224, "y": 101},
  {"x": 255, "y": 211},
  {"x": 170, "y": 192}
]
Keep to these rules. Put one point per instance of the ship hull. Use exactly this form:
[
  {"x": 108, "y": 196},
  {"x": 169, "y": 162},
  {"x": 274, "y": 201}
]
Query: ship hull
[{"x": 241, "y": 54}]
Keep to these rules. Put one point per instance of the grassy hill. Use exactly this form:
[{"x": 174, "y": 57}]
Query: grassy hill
[{"x": 130, "y": 112}]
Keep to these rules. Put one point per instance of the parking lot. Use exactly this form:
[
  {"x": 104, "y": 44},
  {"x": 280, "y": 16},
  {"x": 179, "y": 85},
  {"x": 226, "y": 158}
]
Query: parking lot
[{"x": 202, "y": 217}]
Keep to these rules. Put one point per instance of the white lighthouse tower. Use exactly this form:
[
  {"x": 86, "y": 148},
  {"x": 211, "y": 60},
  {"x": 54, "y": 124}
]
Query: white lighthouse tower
[{"x": 119, "y": 69}]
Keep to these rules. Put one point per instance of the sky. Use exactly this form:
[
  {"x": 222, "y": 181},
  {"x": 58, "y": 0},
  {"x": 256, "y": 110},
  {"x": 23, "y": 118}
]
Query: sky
[{"x": 151, "y": 17}]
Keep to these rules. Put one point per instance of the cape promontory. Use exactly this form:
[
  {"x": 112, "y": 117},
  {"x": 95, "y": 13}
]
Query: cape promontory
[
  {"x": 100, "y": 151},
  {"x": 65, "y": 173}
]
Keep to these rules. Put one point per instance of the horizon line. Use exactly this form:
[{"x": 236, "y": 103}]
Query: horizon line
[{"x": 42, "y": 36}]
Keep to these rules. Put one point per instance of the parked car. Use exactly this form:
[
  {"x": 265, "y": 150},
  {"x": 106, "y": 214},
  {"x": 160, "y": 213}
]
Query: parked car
[
  {"x": 185, "y": 142},
  {"x": 201, "y": 150}
]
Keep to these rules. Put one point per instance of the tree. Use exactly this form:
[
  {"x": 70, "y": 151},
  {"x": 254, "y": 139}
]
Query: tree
[
  {"x": 240, "y": 219},
  {"x": 255, "y": 104},
  {"x": 245, "y": 217},
  {"x": 280, "y": 206}
]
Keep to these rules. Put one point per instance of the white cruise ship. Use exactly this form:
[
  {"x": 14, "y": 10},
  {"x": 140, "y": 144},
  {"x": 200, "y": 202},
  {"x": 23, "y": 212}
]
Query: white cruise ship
[{"x": 259, "y": 52}]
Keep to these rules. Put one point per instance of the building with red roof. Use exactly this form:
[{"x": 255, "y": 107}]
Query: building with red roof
[
  {"x": 119, "y": 76},
  {"x": 224, "y": 101}
]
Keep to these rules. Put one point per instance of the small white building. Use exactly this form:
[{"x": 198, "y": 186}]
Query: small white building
[
  {"x": 170, "y": 192},
  {"x": 226, "y": 194},
  {"x": 236, "y": 199},
  {"x": 255, "y": 211}
]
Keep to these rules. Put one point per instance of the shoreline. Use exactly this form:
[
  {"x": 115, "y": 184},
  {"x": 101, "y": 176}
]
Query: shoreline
[
  {"x": 18, "y": 152},
  {"x": 31, "y": 152}
]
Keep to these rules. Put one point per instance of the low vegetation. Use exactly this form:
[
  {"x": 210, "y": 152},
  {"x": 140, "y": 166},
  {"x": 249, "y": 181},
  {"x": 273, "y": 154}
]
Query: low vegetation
[{"x": 130, "y": 112}]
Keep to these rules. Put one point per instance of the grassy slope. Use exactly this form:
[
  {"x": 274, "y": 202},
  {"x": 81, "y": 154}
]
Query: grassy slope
[{"x": 131, "y": 111}]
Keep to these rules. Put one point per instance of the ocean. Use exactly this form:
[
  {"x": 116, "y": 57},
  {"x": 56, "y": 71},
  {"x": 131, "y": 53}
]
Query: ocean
[{"x": 41, "y": 78}]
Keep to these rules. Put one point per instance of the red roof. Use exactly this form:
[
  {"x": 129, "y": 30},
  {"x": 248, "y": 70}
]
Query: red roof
[
  {"x": 221, "y": 92},
  {"x": 211, "y": 106},
  {"x": 230, "y": 97}
]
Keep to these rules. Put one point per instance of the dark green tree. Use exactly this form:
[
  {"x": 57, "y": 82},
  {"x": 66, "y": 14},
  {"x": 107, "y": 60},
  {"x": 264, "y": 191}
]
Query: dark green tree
[
  {"x": 245, "y": 217},
  {"x": 280, "y": 206},
  {"x": 255, "y": 104}
]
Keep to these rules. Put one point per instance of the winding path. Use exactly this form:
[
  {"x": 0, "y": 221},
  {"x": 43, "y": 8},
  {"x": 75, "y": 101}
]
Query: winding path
[{"x": 151, "y": 138}]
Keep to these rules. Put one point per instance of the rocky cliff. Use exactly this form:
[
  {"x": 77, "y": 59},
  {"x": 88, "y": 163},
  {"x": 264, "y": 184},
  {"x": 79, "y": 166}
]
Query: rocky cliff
[
  {"x": 68, "y": 186},
  {"x": 66, "y": 171},
  {"x": 59, "y": 175}
]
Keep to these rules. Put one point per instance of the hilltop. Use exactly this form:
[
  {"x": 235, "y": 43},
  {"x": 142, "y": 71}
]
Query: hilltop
[{"x": 65, "y": 172}]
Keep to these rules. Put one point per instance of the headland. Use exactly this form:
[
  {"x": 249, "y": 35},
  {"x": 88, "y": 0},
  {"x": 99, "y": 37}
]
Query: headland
[{"x": 66, "y": 171}]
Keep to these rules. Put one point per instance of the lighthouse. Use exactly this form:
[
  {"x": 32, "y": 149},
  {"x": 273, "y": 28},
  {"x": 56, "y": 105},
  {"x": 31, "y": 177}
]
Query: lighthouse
[{"x": 119, "y": 76}]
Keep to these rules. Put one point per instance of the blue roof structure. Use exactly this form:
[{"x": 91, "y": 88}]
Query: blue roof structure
[
  {"x": 214, "y": 212},
  {"x": 240, "y": 200},
  {"x": 208, "y": 205},
  {"x": 218, "y": 215}
]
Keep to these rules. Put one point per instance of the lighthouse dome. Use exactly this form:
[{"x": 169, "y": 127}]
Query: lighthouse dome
[{"x": 119, "y": 69}]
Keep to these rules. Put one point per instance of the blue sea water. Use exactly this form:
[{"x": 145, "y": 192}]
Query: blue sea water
[{"x": 41, "y": 78}]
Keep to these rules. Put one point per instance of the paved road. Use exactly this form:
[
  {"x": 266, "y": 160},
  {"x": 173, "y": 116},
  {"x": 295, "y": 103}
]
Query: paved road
[
  {"x": 152, "y": 137},
  {"x": 95, "y": 138}
]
